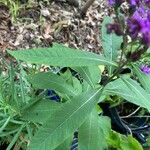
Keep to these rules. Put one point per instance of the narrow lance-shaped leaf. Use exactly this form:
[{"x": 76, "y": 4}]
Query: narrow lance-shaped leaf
[
  {"x": 59, "y": 55},
  {"x": 52, "y": 81},
  {"x": 111, "y": 43},
  {"x": 64, "y": 122},
  {"x": 143, "y": 78},
  {"x": 91, "y": 135},
  {"x": 129, "y": 90}
]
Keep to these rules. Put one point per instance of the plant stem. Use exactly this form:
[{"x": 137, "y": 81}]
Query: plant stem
[{"x": 115, "y": 73}]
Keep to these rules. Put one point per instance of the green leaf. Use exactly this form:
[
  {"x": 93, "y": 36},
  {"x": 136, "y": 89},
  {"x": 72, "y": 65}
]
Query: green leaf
[
  {"x": 59, "y": 55},
  {"x": 130, "y": 143},
  {"x": 110, "y": 42},
  {"x": 64, "y": 122},
  {"x": 91, "y": 135},
  {"x": 67, "y": 75},
  {"x": 85, "y": 86},
  {"x": 105, "y": 124},
  {"x": 77, "y": 85},
  {"x": 72, "y": 80},
  {"x": 129, "y": 90},
  {"x": 90, "y": 74},
  {"x": 122, "y": 142},
  {"x": 143, "y": 78},
  {"x": 41, "y": 110},
  {"x": 148, "y": 51},
  {"x": 66, "y": 145},
  {"x": 52, "y": 81}
]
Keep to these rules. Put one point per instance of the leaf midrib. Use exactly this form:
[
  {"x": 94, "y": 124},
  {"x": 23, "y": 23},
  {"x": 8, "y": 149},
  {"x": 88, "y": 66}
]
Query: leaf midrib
[
  {"x": 70, "y": 116},
  {"x": 83, "y": 58}
]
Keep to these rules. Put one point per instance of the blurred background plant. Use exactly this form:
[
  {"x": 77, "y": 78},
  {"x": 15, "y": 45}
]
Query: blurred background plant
[
  {"x": 15, "y": 94},
  {"x": 14, "y": 7}
]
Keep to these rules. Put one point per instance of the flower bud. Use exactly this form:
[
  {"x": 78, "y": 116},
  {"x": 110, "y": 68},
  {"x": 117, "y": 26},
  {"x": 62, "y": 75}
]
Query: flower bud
[
  {"x": 134, "y": 56},
  {"x": 114, "y": 28}
]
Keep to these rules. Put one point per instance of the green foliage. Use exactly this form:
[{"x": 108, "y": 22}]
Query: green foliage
[
  {"x": 65, "y": 145},
  {"x": 53, "y": 81},
  {"x": 65, "y": 121},
  {"x": 40, "y": 111},
  {"x": 32, "y": 119},
  {"x": 76, "y": 110},
  {"x": 59, "y": 55},
  {"x": 90, "y": 130},
  {"x": 89, "y": 74},
  {"x": 121, "y": 142},
  {"x": 14, "y": 94},
  {"x": 130, "y": 90},
  {"x": 143, "y": 78}
]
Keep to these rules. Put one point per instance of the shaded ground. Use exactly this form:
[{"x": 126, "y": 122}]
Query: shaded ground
[{"x": 40, "y": 24}]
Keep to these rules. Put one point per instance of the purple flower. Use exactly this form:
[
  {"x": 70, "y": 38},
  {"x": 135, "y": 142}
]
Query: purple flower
[
  {"x": 135, "y": 23},
  {"x": 139, "y": 25},
  {"x": 145, "y": 69},
  {"x": 147, "y": 2},
  {"x": 134, "y": 2},
  {"x": 148, "y": 15},
  {"x": 146, "y": 36},
  {"x": 134, "y": 27},
  {"x": 115, "y": 2},
  {"x": 138, "y": 2},
  {"x": 111, "y": 2}
]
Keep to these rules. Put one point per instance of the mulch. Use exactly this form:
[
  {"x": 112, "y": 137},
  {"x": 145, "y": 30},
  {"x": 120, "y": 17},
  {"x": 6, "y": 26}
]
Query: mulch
[{"x": 39, "y": 24}]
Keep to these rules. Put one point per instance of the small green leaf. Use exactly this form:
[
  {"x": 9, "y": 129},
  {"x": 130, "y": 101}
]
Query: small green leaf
[
  {"x": 130, "y": 143},
  {"x": 65, "y": 121},
  {"x": 59, "y": 55}
]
